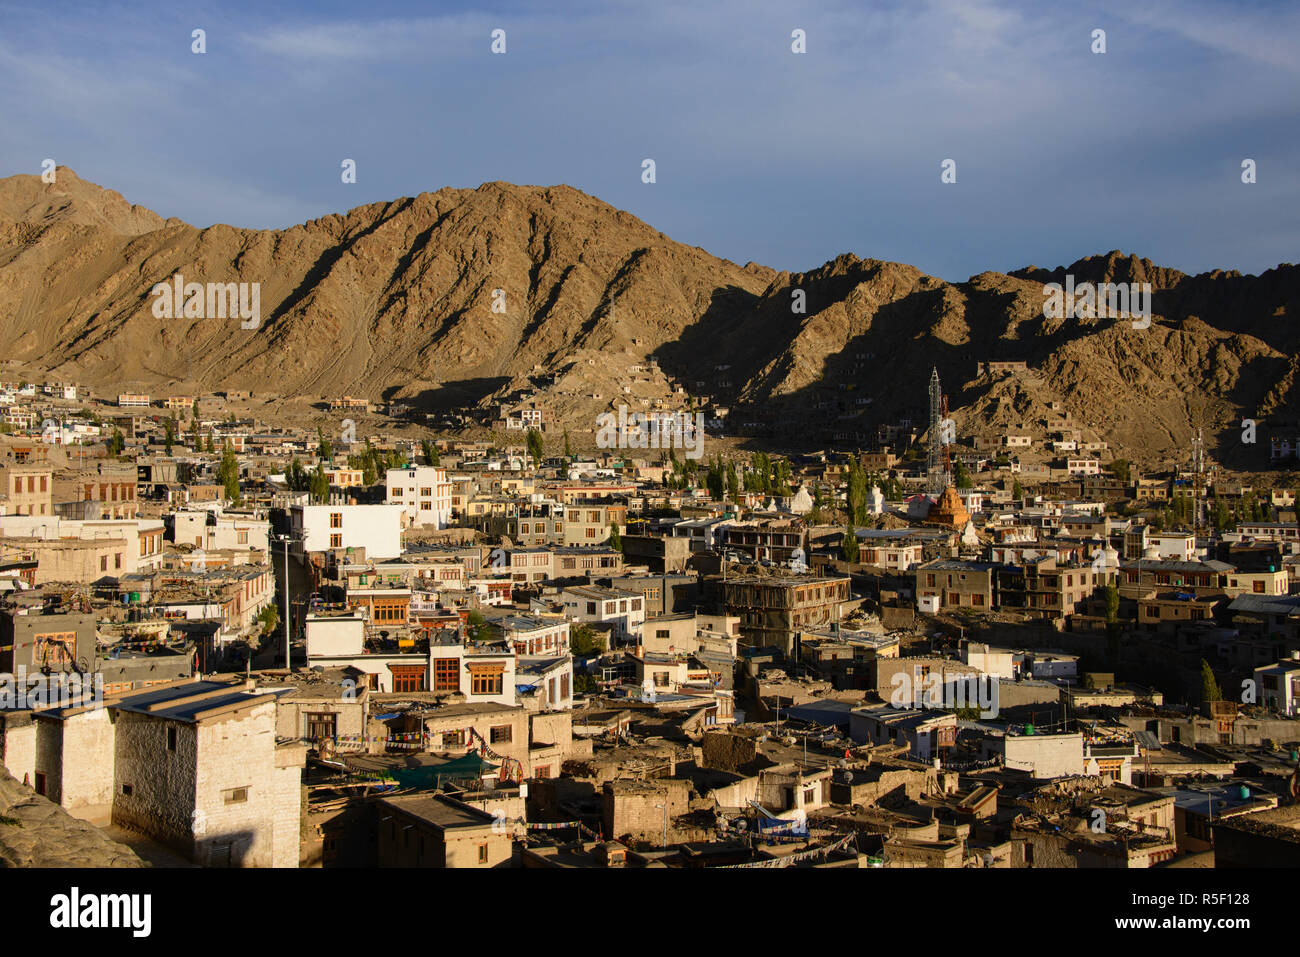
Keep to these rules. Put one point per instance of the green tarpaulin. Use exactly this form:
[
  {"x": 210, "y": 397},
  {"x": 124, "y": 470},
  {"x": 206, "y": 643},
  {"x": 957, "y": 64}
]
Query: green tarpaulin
[{"x": 428, "y": 776}]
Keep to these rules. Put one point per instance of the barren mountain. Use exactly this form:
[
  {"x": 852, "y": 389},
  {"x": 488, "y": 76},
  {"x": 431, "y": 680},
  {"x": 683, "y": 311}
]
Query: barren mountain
[{"x": 457, "y": 297}]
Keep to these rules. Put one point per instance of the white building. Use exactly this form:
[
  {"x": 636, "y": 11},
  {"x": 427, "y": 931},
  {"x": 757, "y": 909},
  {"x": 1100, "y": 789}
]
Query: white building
[
  {"x": 545, "y": 682},
  {"x": 146, "y": 534},
  {"x": 423, "y": 492},
  {"x": 989, "y": 660},
  {"x": 1279, "y": 686},
  {"x": 375, "y": 528},
  {"x": 339, "y": 640},
  {"x": 595, "y": 603},
  {"x": 536, "y": 634},
  {"x": 211, "y": 530},
  {"x": 1175, "y": 546}
]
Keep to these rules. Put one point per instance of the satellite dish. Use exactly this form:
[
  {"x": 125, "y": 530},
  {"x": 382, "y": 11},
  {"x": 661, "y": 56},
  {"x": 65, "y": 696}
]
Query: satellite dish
[{"x": 848, "y": 777}]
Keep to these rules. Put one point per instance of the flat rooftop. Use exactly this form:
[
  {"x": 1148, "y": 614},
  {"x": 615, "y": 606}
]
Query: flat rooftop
[{"x": 440, "y": 811}]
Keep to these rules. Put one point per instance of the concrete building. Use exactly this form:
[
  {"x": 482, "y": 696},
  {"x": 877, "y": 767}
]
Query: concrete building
[
  {"x": 376, "y": 529},
  {"x": 424, "y": 493},
  {"x": 958, "y": 584},
  {"x": 588, "y": 522},
  {"x": 27, "y": 489},
  {"x": 40, "y": 642},
  {"x": 624, "y": 610},
  {"x": 212, "y": 530},
  {"x": 435, "y": 830},
  {"x": 1278, "y": 686},
  {"x": 193, "y": 765},
  {"x": 772, "y": 610}
]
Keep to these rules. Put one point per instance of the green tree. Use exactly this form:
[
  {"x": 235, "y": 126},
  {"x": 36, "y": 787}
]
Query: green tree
[
  {"x": 320, "y": 485},
  {"x": 856, "y": 497},
  {"x": 195, "y": 437},
  {"x": 815, "y": 514},
  {"x": 194, "y": 409},
  {"x": 169, "y": 433},
  {"x": 849, "y": 544},
  {"x": 961, "y": 476},
  {"x": 1017, "y": 493},
  {"x": 583, "y": 640},
  {"x": 478, "y": 629},
  {"x": 269, "y": 617},
  {"x": 536, "y": 447},
  {"x": 116, "y": 443},
  {"x": 296, "y": 477},
  {"x": 1112, "y": 604},
  {"x": 1121, "y": 469},
  {"x": 430, "y": 452},
  {"x": 715, "y": 480},
  {"x": 733, "y": 482},
  {"x": 568, "y": 449},
  {"x": 324, "y": 450},
  {"x": 228, "y": 473},
  {"x": 781, "y": 477},
  {"x": 1221, "y": 515},
  {"x": 209, "y": 447},
  {"x": 1209, "y": 684},
  {"x": 615, "y": 540}
]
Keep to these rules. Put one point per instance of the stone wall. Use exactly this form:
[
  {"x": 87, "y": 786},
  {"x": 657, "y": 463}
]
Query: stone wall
[
  {"x": 162, "y": 782},
  {"x": 630, "y": 810}
]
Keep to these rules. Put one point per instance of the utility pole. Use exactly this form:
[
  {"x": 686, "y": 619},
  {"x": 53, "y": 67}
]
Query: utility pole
[{"x": 288, "y": 610}]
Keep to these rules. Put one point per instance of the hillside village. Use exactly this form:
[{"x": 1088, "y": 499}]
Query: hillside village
[{"x": 386, "y": 637}]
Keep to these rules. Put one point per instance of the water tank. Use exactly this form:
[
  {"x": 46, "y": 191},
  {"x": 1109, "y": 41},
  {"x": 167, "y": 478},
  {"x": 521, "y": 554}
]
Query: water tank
[
  {"x": 1029, "y": 729},
  {"x": 135, "y": 597},
  {"x": 1245, "y": 792}
]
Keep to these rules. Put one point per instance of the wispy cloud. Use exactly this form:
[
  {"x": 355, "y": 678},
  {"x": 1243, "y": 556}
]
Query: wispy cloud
[{"x": 763, "y": 154}]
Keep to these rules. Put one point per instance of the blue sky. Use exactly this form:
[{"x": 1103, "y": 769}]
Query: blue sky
[{"x": 761, "y": 154}]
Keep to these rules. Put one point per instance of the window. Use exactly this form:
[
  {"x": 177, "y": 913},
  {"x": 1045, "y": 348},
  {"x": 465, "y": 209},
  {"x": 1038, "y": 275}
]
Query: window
[
  {"x": 543, "y": 772},
  {"x": 241, "y": 537},
  {"x": 453, "y": 739},
  {"x": 40, "y": 782},
  {"x": 482, "y": 853},
  {"x": 127, "y": 790},
  {"x": 486, "y": 682},
  {"x": 336, "y": 541},
  {"x": 500, "y": 734},
  {"x": 407, "y": 678},
  {"x": 235, "y": 796},
  {"x": 1257, "y": 587},
  {"x": 336, "y": 519},
  {"x": 446, "y": 674},
  {"x": 320, "y": 725},
  {"x": 171, "y": 739}
]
